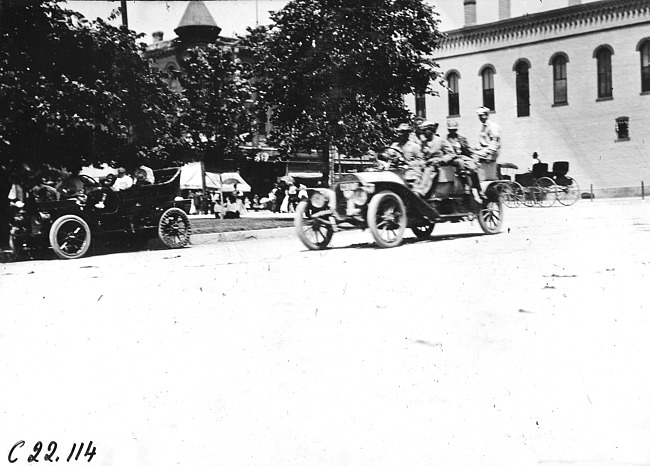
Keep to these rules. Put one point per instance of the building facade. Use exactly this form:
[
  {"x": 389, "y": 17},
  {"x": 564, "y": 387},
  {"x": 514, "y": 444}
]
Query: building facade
[{"x": 571, "y": 84}]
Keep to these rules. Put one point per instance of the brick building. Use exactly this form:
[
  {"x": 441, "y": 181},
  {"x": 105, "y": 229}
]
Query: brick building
[
  {"x": 572, "y": 83},
  {"x": 196, "y": 27}
]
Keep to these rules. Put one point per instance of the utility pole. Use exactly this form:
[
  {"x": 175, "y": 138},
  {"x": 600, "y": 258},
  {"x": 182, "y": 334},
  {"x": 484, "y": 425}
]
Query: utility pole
[{"x": 125, "y": 18}]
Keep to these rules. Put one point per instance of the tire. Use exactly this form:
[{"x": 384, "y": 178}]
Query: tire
[
  {"x": 490, "y": 217},
  {"x": 544, "y": 192},
  {"x": 511, "y": 193},
  {"x": 70, "y": 237},
  {"x": 423, "y": 231},
  {"x": 387, "y": 219},
  {"x": 315, "y": 233},
  {"x": 174, "y": 228},
  {"x": 569, "y": 193}
]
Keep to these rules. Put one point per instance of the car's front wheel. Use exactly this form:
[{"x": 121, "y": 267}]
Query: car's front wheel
[
  {"x": 314, "y": 232},
  {"x": 387, "y": 219},
  {"x": 174, "y": 228},
  {"x": 70, "y": 237}
]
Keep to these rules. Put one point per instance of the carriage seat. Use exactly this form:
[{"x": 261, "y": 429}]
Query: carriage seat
[
  {"x": 560, "y": 169},
  {"x": 540, "y": 170}
]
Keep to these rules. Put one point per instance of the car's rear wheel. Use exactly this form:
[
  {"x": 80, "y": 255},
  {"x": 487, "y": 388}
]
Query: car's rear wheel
[
  {"x": 70, "y": 237},
  {"x": 387, "y": 219},
  {"x": 490, "y": 217},
  {"x": 423, "y": 231},
  {"x": 174, "y": 228},
  {"x": 314, "y": 232}
]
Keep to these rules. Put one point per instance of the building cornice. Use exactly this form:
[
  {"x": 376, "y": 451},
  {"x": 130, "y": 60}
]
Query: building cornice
[{"x": 572, "y": 20}]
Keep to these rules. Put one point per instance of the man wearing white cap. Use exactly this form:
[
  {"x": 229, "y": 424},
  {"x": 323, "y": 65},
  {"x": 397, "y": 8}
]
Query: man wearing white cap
[{"x": 489, "y": 136}]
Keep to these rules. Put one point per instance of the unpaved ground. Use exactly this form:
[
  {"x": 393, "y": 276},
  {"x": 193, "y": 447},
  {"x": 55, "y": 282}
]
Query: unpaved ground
[{"x": 528, "y": 347}]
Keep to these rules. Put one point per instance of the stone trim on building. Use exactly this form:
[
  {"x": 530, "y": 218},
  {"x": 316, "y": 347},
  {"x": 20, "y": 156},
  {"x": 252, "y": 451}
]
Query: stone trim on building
[{"x": 554, "y": 24}]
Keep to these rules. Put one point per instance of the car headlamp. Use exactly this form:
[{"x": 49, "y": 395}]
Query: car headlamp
[
  {"x": 360, "y": 197},
  {"x": 318, "y": 200}
]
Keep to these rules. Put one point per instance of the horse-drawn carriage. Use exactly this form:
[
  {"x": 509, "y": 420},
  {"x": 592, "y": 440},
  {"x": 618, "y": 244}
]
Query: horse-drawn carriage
[
  {"x": 383, "y": 202},
  {"x": 540, "y": 187}
]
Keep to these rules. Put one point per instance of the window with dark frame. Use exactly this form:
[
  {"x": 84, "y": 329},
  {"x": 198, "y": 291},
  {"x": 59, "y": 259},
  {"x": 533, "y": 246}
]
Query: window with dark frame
[
  {"x": 559, "y": 80},
  {"x": 420, "y": 106},
  {"x": 645, "y": 66},
  {"x": 453, "y": 97},
  {"x": 604, "y": 64},
  {"x": 623, "y": 128},
  {"x": 523, "y": 92},
  {"x": 487, "y": 78}
]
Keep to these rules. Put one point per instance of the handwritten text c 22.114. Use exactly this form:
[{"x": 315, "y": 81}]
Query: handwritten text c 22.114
[{"x": 76, "y": 453}]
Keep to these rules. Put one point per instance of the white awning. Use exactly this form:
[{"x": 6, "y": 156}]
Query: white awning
[{"x": 306, "y": 174}]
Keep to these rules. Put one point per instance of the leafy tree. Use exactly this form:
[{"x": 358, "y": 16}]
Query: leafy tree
[
  {"x": 216, "y": 87},
  {"x": 74, "y": 91},
  {"x": 334, "y": 70}
]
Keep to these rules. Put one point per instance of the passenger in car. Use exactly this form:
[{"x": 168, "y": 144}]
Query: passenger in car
[
  {"x": 123, "y": 181},
  {"x": 465, "y": 160},
  {"x": 45, "y": 190},
  {"x": 436, "y": 151}
]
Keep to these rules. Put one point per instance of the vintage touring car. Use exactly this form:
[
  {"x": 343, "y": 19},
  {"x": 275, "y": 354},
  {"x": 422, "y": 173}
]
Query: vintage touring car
[
  {"x": 70, "y": 226},
  {"x": 383, "y": 202}
]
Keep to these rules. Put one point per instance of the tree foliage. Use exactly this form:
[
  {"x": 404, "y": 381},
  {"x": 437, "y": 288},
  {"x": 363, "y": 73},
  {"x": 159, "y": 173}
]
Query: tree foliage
[
  {"x": 218, "y": 95},
  {"x": 338, "y": 70},
  {"x": 74, "y": 91}
]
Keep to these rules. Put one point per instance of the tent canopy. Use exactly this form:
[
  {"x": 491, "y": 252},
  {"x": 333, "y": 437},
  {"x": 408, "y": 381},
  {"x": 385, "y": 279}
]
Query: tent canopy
[{"x": 191, "y": 179}]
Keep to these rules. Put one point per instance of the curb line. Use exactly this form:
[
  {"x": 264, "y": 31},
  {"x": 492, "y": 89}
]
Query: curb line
[{"x": 230, "y": 236}]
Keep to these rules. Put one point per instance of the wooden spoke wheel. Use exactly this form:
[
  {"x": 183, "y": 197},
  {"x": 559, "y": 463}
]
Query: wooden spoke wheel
[
  {"x": 387, "y": 219},
  {"x": 568, "y": 192},
  {"x": 70, "y": 237},
  {"x": 314, "y": 232},
  {"x": 174, "y": 228},
  {"x": 544, "y": 192}
]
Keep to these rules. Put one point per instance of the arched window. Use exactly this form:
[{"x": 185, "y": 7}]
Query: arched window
[
  {"x": 560, "y": 95},
  {"x": 453, "y": 97},
  {"x": 604, "y": 66},
  {"x": 522, "y": 85},
  {"x": 487, "y": 80},
  {"x": 644, "y": 50}
]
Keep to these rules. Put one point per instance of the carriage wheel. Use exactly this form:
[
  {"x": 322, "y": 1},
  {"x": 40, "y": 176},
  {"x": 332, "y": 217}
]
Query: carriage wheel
[
  {"x": 174, "y": 228},
  {"x": 512, "y": 194},
  {"x": 70, "y": 237},
  {"x": 315, "y": 233},
  {"x": 528, "y": 198},
  {"x": 544, "y": 191},
  {"x": 423, "y": 231},
  {"x": 568, "y": 194},
  {"x": 490, "y": 217},
  {"x": 387, "y": 219}
]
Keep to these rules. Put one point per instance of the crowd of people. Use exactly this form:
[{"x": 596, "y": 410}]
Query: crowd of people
[
  {"x": 283, "y": 197},
  {"x": 420, "y": 151}
]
